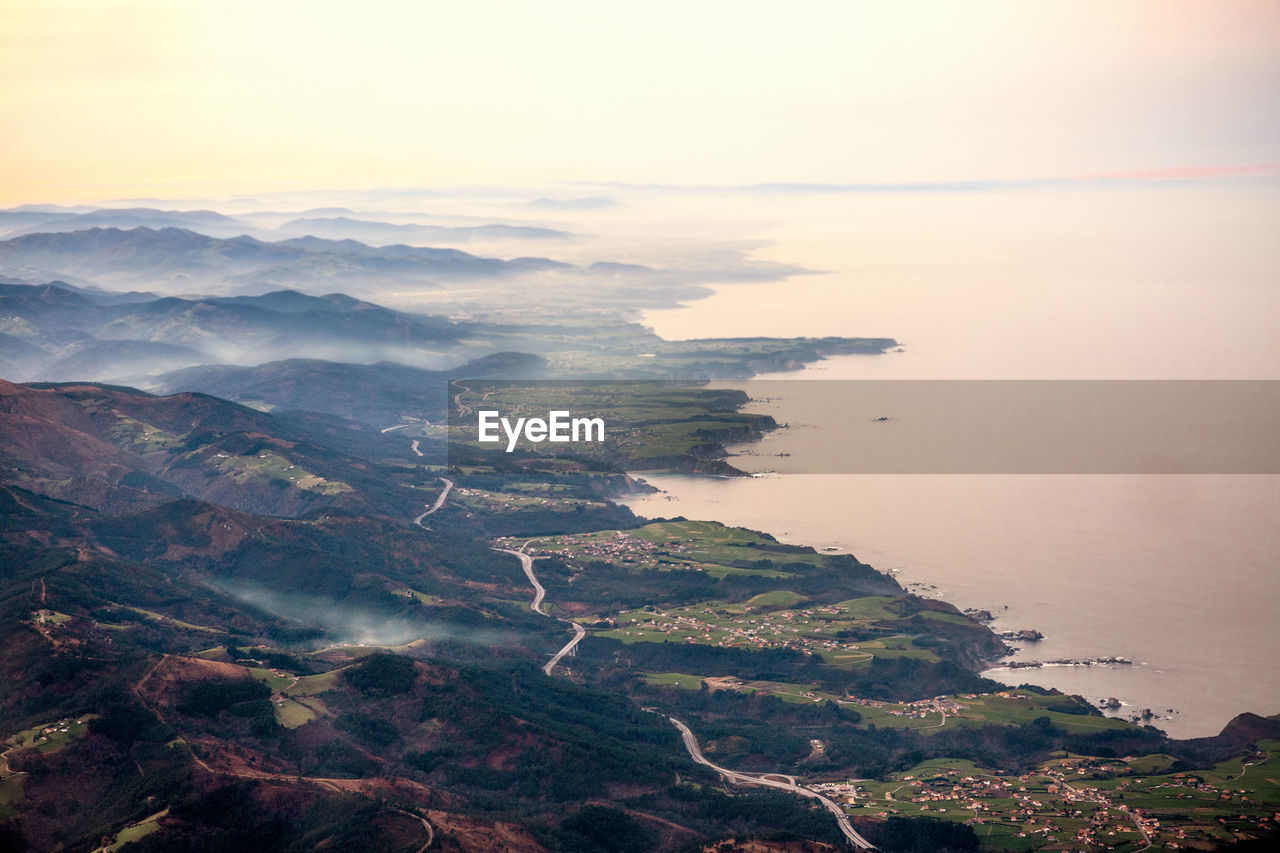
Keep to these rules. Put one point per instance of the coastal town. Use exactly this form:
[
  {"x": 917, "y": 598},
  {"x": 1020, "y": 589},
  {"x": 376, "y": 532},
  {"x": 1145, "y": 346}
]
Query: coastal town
[{"x": 1076, "y": 802}]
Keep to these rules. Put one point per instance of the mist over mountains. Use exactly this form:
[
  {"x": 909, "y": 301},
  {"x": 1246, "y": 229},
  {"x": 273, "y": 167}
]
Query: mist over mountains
[
  {"x": 157, "y": 298},
  {"x": 56, "y": 331}
]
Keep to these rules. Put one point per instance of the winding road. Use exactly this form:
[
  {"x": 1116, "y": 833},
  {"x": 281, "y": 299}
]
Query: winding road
[
  {"x": 463, "y": 410},
  {"x": 526, "y": 563},
  {"x": 431, "y": 833},
  {"x": 772, "y": 780},
  {"x": 5, "y": 770},
  {"x": 539, "y": 594},
  {"x": 578, "y": 633},
  {"x": 448, "y": 487}
]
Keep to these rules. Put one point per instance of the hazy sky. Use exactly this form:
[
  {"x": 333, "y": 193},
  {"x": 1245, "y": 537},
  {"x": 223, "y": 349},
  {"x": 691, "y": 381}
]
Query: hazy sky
[{"x": 102, "y": 99}]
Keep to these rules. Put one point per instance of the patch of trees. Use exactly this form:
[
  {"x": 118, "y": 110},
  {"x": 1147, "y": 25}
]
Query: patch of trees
[
  {"x": 372, "y": 730},
  {"x": 243, "y": 697},
  {"x": 762, "y": 664},
  {"x": 551, "y": 522},
  {"x": 337, "y": 758},
  {"x": 600, "y": 828},
  {"x": 382, "y": 674},
  {"x": 126, "y": 721},
  {"x": 746, "y": 811},
  {"x": 908, "y": 679},
  {"x": 619, "y": 588},
  {"x": 920, "y": 835},
  {"x": 560, "y": 741},
  {"x": 272, "y": 658},
  {"x": 248, "y": 816}
]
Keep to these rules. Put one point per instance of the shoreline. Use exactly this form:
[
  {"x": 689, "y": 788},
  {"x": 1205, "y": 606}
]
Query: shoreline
[
  {"x": 1006, "y": 663},
  {"x": 1169, "y": 687}
]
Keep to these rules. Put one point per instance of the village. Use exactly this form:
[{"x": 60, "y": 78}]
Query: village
[
  {"x": 732, "y": 626},
  {"x": 618, "y": 547},
  {"x": 1070, "y": 803}
]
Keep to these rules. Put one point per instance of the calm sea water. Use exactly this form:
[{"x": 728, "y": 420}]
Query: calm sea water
[{"x": 1181, "y": 574}]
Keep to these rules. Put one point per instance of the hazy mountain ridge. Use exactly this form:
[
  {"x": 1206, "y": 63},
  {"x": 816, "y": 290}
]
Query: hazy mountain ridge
[
  {"x": 378, "y": 394},
  {"x": 337, "y": 223},
  {"x": 61, "y": 332},
  {"x": 184, "y": 261},
  {"x": 205, "y": 221},
  {"x": 180, "y": 260},
  {"x": 381, "y": 233},
  {"x": 52, "y": 332}
]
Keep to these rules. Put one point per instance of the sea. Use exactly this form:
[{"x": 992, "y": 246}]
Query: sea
[{"x": 1177, "y": 573}]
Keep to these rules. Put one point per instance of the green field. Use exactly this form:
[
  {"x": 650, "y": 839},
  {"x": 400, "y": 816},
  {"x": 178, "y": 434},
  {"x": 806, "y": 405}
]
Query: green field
[
  {"x": 52, "y": 616},
  {"x": 751, "y": 626},
  {"x": 313, "y": 685},
  {"x": 55, "y": 740},
  {"x": 272, "y": 466},
  {"x": 271, "y": 678},
  {"x": 292, "y": 713},
  {"x": 160, "y": 617},
  {"x": 676, "y": 679},
  {"x": 777, "y": 598},
  {"x": 137, "y": 831}
]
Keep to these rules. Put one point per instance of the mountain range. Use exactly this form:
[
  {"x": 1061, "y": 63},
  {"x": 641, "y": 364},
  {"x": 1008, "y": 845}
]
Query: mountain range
[
  {"x": 58, "y": 331},
  {"x": 383, "y": 233},
  {"x": 319, "y": 222},
  {"x": 176, "y": 260}
]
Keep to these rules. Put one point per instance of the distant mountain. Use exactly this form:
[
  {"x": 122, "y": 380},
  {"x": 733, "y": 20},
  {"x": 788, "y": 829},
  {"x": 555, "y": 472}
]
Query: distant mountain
[
  {"x": 102, "y": 360},
  {"x": 181, "y": 261},
  {"x": 382, "y": 233},
  {"x": 203, "y": 221},
  {"x": 16, "y": 220},
  {"x": 595, "y": 202},
  {"x": 377, "y": 394},
  {"x": 19, "y": 357},
  {"x": 54, "y": 330}
]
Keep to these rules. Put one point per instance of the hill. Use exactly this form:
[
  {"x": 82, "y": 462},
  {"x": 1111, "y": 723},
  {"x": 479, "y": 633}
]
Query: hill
[
  {"x": 117, "y": 449},
  {"x": 377, "y": 394}
]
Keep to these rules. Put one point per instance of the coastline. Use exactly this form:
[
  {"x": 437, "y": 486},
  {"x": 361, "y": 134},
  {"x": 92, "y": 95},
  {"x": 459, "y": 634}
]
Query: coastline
[{"x": 1191, "y": 694}]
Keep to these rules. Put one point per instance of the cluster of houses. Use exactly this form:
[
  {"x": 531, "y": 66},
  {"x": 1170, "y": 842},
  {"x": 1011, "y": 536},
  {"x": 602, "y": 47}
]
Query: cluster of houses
[
  {"x": 770, "y": 630},
  {"x": 63, "y": 726},
  {"x": 916, "y": 710},
  {"x": 621, "y": 548},
  {"x": 1043, "y": 801}
]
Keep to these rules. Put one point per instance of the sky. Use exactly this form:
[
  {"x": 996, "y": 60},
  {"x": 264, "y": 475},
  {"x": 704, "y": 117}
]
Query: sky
[{"x": 105, "y": 99}]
